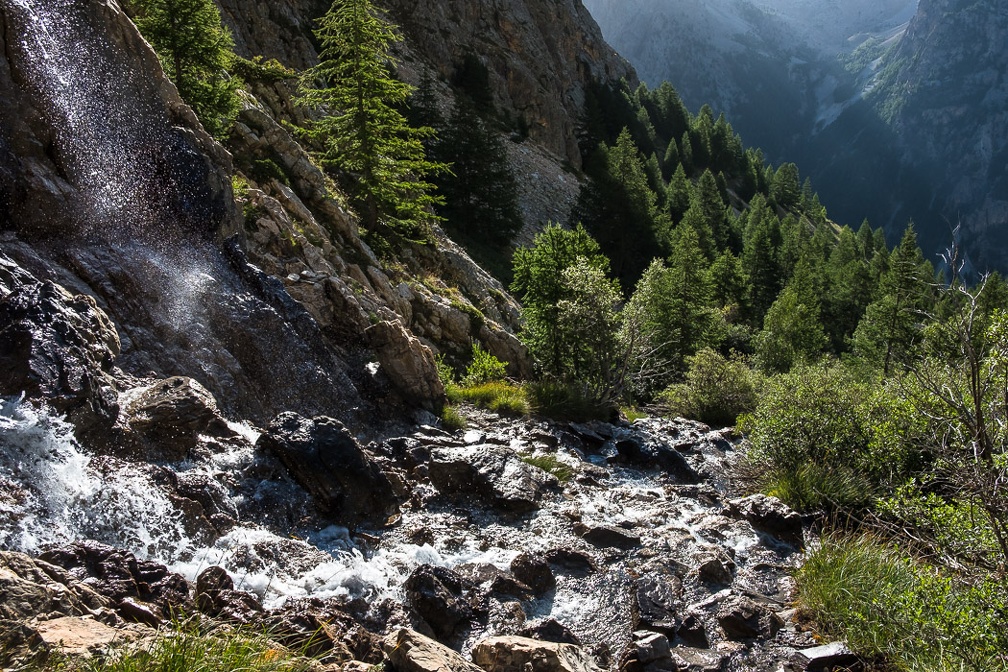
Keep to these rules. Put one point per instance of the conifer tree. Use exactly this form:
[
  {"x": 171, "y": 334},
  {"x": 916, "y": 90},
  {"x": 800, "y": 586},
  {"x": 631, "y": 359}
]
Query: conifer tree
[
  {"x": 361, "y": 133},
  {"x": 195, "y": 51},
  {"x": 792, "y": 331}
]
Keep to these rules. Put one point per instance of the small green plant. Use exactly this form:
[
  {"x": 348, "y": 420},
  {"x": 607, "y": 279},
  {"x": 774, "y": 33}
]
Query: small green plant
[
  {"x": 498, "y": 396},
  {"x": 551, "y": 465},
  {"x": 445, "y": 371},
  {"x": 716, "y": 391},
  {"x": 451, "y": 419},
  {"x": 554, "y": 399},
  {"x": 484, "y": 368},
  {"x": 186, "y": 648},
  {"x": 632, "y": 413}
]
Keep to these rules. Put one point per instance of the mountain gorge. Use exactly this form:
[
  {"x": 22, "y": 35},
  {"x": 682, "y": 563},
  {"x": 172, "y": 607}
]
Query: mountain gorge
[{"x": 886, "y": 107}]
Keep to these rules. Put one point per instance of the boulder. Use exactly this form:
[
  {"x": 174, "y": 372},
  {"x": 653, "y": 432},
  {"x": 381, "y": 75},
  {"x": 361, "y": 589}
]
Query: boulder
[
  {"x": 608, "y": 536},
  {"x": 535, "y": 572},
  {"x": 409, "y": 651},
  {"x": 832, "y": 656},
  {"x": 741, "y": 618},
  {"x": 491, "y": 474},
  {"x": 551, "y": 630},
  {"x": 571, "y": 561},
  {"x": 641, "y": 451},
  {"x": 715, "y": 567},
  {"x": 326, "y": 460},
  {"x": 31, "y": 588},
  {"x": 169, "y": 416},
  {"x": 78, "y": 637},
  {"x": 770, "y": 516},
  {"x": 60, "y": 347},
  {"x": 652, "y": 647},
  {"x": 518, "y": 654},
  {"x": 437, "y": 595},
  {"x": 408, "y": 363},
  {"x": 216, "y": 596},
  {"x": 659, "y": 602},
  {"x": 699, "y": 659}
]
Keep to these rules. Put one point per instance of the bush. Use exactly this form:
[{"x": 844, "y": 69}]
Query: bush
[
  {"x": 451, "y": 419},
  {"x": 886, "y": 606},
  {"x": 484, "y": 368},
  {"x": 823, "y": 438},
  {"x": 561, "y": 401},
  {"x": 717, "y": 389}
]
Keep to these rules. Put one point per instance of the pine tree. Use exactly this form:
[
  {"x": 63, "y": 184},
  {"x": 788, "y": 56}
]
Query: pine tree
[
  {"x": 362, "y": 134},
  {"x": 480, "y": 191},
  {"x": 195, "y": 51},
  {"x": 792, "y": 331}
]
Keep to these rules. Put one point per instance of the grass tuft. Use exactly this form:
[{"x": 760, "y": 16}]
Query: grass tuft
[
  {"x": 499, "y": 396},
  {"x": 551, "y": 465}
]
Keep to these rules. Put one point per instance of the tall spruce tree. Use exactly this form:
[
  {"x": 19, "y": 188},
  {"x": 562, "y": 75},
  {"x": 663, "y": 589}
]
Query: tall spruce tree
[
  {"x": 362, "y": 134},
  {"x": 195, "y": 51}
]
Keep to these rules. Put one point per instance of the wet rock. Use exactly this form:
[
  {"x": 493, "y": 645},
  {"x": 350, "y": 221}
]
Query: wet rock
[
  {"x": 510, "y": 586},
  {"x": 715, "y": 568},
  {"x": 409, "y": 651},
  {"x": 216, "y": 596},
  {"x": 436, "y": 595},
  {"x": 571, "y": 561},
  {"x": 117, "y": 575},
  {"x": 60, "y": 347},
  {"x": 534, "y": 571},
  {"x": 137, "y": 612},
  {"x": 646, "y": 452},
  {"x": 213, "y": 579},
  {"x": 322, "y": 629},
  {"x": 551, "y": 630},
  {"x": 659, "y": 601},
  {"x": 832, "y": 656},
  {"x": 742, "y": 618},
  {"x": 652, "y": 647},
  {"x": 491, "y": 474},
  {"x": 607, "y": 536},
  {"x": 517, "y": 654},
  {"x": 32, "y": 588},
  {"x": 169, "y": 416},
  {"x": 769, "y": 515},
  {"x": 325, "y": 459},
  {"x": 693, "y": 632},
  {"x": 408, "y": 363},
  {"x": 699, "y": 659}
]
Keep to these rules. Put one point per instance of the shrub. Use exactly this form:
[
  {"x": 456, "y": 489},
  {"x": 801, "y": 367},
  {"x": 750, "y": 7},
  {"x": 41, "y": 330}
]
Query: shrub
[
  {"x": 561, "y": 401},
  {"x": 484, "y": 368},
  {"x": 884, "y": 605},
  {"x": 717, "y": 389}
]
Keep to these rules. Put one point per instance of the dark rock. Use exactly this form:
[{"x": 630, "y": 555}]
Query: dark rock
[
  {"x": 170, "y": 415},
  {"x": 322, "y": 628},
  {"x": 436, "y": 595},
  {"x": 699, "y": 659},
  {"x": 137, "y": 612},
  {"x": 693, "y": 632},
  {"x": 551, "y": 630},
  {"x": 607, "y": 536},
  {"x": 769, "y": 515},
  {"x": 60, "y": 347},
  {"x": 571, "y": 560},
  {"x": 741, "y": 618},
  {"x": 325, "y": 459},
  {"x": 534, "y": 571},
  {"x": 213, "y": 579},
  {"x": 651, "y": 454},
  {"x": 659, "y": 601},
  {"x": 652, "y": 647},
  {"x": 510, "y": 586},
  {"x": 715, "y": 568},
  {"x": 21, "y": 643},
  {"x": 235, "y": 606},
  {"x": 832, "y": 656},
  {"x": 490, "y": 474}
]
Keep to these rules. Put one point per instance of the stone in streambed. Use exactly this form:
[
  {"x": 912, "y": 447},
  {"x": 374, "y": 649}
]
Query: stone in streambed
[
  {"x": 409, "y": 651},
  {"x": 518, "y": 654}
]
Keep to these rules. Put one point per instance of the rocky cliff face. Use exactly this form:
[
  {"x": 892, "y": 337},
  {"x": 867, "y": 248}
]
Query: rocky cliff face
[{"x": 943, "y": 90}]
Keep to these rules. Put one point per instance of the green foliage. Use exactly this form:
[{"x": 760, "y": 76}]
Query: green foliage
[
  {"x": 451, "y": 419},
  {"x": 483, "y": 368},
  {"x": 568, "y": 306},
  {"x": 561, "y": 401},
  {"x": 716, "y": 391},
  {"x": 498, "y": 396},
  {"x": 196, "y": 52},
  {"x": 185, "y": 648},
  {"x": 825, "y": 422},
  {"x": 792, "y": 329},
  {"x": 551, "y": 465},
  {"x": 361, "y": 133},
  {"x": 910, "y": 616}
]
